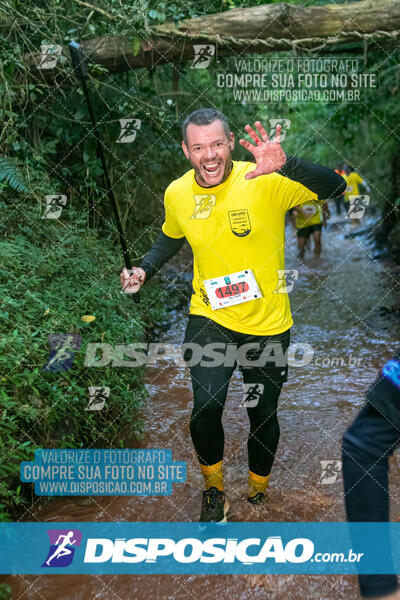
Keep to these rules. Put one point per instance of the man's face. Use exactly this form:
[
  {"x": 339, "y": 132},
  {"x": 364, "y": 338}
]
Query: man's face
[{"x": 209, "y": 152}]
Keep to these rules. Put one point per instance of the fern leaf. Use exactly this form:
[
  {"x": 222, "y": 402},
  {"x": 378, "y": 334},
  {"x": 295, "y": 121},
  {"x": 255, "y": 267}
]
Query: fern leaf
[{"x": 10, "y": 174}]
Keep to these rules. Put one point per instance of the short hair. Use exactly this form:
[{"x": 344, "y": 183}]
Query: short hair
[{"x": 205, "y": 116}]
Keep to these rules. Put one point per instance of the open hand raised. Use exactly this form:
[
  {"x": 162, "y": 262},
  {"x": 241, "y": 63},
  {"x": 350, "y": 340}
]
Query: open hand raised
[{"x": 269, "y": 155}]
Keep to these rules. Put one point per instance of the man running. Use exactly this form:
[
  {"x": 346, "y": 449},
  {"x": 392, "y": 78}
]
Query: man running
[
  {"x": 309, "y": 220},
  {"x": 367, "y": 445},
  {"x": 353, "y": 180},
  {"x": 232, "y": 214}
]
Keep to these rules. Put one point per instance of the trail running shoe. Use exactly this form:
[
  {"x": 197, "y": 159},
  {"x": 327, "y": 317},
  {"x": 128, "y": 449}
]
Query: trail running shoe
[
  {"x": 214, "y": 507},
  {"x": 257, "y": 499}
]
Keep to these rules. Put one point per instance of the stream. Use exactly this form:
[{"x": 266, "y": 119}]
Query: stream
[{"x": 342, "y": 305}]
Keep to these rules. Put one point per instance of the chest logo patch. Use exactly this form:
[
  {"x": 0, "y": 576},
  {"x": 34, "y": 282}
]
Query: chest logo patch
[
  {"x": 240, "y": 222},
  {"x": 203, "y": 205}
]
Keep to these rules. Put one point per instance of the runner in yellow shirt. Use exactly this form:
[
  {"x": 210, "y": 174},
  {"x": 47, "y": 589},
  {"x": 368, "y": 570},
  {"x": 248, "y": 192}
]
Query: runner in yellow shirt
[
  {"x": 309, "y": 220},
  {"x": 233, "y": 216},
  {"x": 353, "y": 180}
]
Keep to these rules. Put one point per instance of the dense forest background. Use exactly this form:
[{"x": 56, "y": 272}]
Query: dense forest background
[{"x": 54, "y": 271}]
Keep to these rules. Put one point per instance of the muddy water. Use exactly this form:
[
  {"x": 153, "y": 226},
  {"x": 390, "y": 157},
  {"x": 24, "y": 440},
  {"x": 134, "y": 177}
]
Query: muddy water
[{"x": 339, "y": 304}]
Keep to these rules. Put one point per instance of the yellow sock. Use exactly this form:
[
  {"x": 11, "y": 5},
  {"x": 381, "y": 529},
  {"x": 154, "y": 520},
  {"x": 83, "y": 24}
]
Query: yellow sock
[
  {"x": 213, "y": 475},
  {"x": 257, "y": 483}
]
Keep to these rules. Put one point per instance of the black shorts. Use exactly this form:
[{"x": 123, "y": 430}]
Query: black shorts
[
  {"x": 305, "y": 232},
  {"x": 203, "y": 331}
]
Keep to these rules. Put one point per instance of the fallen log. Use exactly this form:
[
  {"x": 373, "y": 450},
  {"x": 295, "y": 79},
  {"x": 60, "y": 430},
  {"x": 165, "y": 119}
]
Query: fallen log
[{"x": 242, "y": 31}]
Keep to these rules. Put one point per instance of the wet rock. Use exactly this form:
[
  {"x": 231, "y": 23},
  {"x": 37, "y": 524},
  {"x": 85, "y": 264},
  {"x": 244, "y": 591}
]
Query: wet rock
[{"x": 362, "y": 231}]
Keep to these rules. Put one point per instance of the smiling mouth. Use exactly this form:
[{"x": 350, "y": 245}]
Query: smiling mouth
[{"x": 211, "y": 169}]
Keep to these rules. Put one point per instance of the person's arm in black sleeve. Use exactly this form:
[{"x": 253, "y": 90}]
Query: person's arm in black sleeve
[
  {"x": 324, "y": 182},
  {"x": 164, "y": 248}
]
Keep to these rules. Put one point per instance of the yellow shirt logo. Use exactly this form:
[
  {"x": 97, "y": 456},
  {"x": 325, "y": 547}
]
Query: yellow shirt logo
[{"x": 240, "y": 222}]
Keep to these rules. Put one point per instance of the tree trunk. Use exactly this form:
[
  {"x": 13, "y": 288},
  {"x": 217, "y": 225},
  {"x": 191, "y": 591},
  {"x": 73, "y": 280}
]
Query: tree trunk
[{"x": 259, "y": 29}]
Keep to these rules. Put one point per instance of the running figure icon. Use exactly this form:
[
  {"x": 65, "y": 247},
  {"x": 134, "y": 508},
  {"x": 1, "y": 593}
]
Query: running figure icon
[{"x": 62, "y": 549}]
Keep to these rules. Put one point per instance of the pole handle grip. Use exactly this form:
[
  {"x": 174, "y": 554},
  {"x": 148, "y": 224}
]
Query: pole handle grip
[{"x": 79, "y": 60}]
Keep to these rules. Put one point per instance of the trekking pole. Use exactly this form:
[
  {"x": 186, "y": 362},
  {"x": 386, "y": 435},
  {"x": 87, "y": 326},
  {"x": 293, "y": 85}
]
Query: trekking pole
[{"x": 79, "y": 63}]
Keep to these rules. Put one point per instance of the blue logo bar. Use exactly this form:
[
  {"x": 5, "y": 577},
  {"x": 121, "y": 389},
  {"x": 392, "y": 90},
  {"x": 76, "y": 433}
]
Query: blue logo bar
[{"x": 203, "y": 548}]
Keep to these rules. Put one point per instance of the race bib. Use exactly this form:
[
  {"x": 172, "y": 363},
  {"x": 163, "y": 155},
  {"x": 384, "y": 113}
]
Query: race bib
[{"x": 235, "y": 288}]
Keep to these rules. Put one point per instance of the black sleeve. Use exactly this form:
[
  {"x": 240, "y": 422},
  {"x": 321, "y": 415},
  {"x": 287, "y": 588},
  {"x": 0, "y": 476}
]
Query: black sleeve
[
  {"x": 324, "y": 182},
  {"x": 164, "y": 248}
]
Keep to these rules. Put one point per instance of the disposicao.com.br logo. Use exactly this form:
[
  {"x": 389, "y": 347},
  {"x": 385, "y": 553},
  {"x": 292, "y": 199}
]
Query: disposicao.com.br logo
[
  {"x": 212, "y": 550},
  {"x": 185, "y": 547}
]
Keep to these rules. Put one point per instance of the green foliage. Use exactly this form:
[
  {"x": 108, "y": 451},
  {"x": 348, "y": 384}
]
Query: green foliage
[
  {"x": 59, "y": 273},
  {"x": 5, "y": 591},
  {"x": 12, "y": 176}
]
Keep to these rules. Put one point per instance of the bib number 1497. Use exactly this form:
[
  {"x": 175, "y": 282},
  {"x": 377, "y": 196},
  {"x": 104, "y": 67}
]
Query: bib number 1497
[{"x": 231, "y": 289}]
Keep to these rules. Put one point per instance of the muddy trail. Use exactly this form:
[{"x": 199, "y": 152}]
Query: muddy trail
[{"x": 343, "y": 305}]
